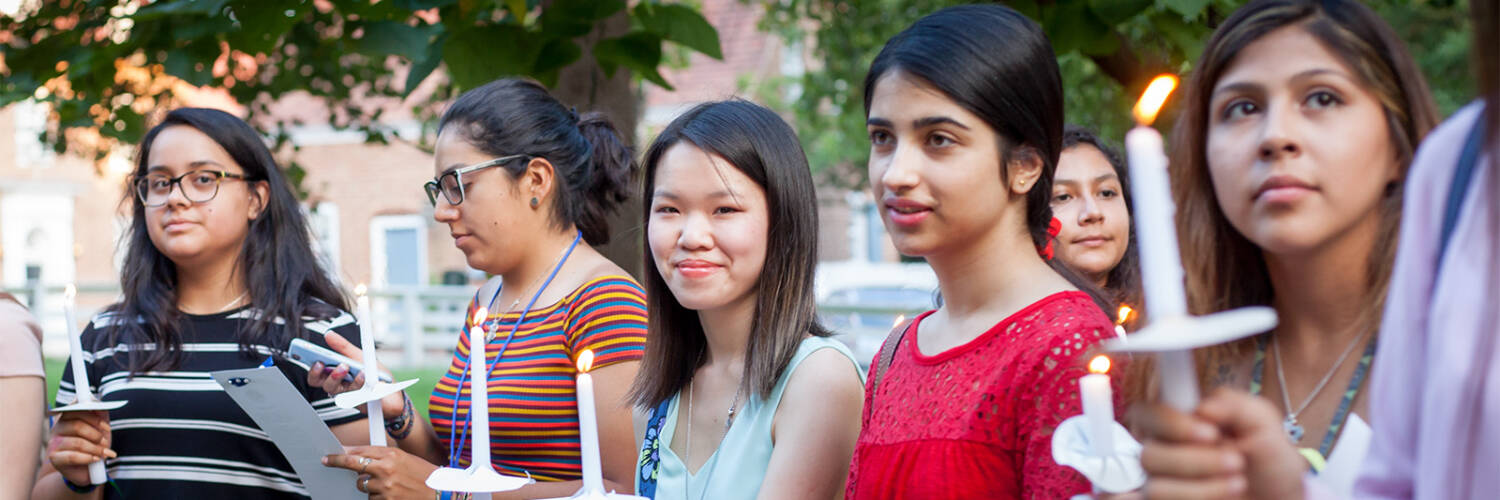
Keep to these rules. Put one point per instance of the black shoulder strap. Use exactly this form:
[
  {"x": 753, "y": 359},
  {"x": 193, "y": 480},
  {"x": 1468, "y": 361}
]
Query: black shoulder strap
[{"x": 1459, "y": 188}]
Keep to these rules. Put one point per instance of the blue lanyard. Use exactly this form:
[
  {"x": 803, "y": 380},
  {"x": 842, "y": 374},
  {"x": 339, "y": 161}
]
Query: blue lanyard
[{"x": 456, "y": 451}]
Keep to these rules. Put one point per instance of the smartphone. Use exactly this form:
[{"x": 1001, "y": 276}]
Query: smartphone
[{"x": 309, "y": 353}]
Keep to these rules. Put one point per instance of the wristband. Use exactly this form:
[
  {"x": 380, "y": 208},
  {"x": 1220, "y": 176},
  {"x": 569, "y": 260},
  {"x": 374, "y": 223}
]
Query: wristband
[
  {"x": 400, "y": 427},
  {"x": 76, "y": 488}
]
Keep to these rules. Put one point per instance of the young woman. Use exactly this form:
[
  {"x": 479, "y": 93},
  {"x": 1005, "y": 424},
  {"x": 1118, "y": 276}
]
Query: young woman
[
  {"x": 750, "y": 396},
  {"x": 525, "y": 186},
  {"x": 1301, "y": 119},
  {"x": 965, "y": 121},
  {"x": 1434, "y": 389},
  {"x": 1091, "y": 199},
  {"x": 23, "y": 394},
  {"x": 219, "y": 273}
]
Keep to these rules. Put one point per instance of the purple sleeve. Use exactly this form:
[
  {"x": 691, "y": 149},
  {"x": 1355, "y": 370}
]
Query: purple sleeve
[{"x": 1396, "y": 399}]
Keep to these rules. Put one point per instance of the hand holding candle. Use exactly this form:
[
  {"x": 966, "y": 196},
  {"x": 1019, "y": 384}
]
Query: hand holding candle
[
  {"x": 84, "y": 399},
  {"x": 480, "y": 478}
]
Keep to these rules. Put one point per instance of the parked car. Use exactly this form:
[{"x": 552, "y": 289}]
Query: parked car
[{"x": 863, "y": 315}]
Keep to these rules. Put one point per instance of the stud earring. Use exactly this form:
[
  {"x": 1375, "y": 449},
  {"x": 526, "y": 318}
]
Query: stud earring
[{"x": 535, "y": 202}]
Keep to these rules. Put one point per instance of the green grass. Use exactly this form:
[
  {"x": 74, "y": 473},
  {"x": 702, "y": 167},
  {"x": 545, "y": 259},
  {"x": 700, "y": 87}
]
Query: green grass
[{"x": 418, "y": 392}]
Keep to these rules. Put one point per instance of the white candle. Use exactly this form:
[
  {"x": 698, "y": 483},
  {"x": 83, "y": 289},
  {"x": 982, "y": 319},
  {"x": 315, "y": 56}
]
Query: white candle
[
  {"x": 1161, "y": 262},
  {"x": 1098, "y": 406},
  {"x": 75, "y": 348},
  {"x": 1161, "y": 266},
  {"x": 81, "y": 389},
  {"x": 372, "y": 376},
  {"x": 588, "y": 426},
  {"x": 479, "y": 403}
]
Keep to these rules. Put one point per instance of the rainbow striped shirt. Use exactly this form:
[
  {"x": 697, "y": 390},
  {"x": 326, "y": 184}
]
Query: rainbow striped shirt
[{"x": 532, "y": 392}]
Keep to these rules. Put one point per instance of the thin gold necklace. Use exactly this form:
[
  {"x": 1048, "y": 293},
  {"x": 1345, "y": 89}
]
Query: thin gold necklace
[{"x": 490, "y": 335}]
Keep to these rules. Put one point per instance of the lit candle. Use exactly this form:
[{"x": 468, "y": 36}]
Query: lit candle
[
  {"x": 1123, "y": 315},
  {"x": 479, "y": 395},
  {"x": 588, "y": 426},
  {"x": 372, "y": 377},
  {"x": 81, "y": 389},
  {"x": 1161, "y": 262},
  {"x": 1098, "y": 406}
]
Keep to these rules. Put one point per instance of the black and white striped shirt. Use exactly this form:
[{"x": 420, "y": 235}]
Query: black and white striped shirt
[{"x": 180, "y": 435}]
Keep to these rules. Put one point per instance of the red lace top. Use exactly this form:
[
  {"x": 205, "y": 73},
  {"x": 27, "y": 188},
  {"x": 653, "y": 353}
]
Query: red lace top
[{"x": 976, "y": 420}]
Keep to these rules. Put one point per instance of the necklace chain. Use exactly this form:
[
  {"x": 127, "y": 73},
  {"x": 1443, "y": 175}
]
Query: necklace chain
[
  {"x": 490, "y": 335},
  {"x": 1291, "y": 424},
  {"x": 687, "y": 457},
  {"x": 232, "y": 303}
]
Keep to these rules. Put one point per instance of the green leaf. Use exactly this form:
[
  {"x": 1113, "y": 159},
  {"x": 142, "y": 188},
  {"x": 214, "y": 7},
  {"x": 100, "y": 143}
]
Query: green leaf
[
  {"x": 193, "y": 63},
  {"x": 1027, "y": 8},
  {"x": 423, "y": 66},
  {"x": 158, "y": 10},
  {"x": 423, "y": 4},
  {"x": 1187, "y": 38},
  {"x": 575, "y": 18},
  {"x": 1114, "y": 12},
  {"x": 638, "y": 51},
  {"x": 396, "y": 38},
  {"x": 476, "y": 56},
  {"x": 680, "y": 24},
  {"x": 554, "y": 56},
  {"x": 1188, "y": 8},
  {"x": 1073, "y": 27},
  {"x": 262, "y": 23}
]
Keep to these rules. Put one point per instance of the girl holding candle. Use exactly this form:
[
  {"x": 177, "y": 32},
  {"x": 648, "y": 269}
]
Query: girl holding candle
[
  {"x": 1433, "y": 394},
  {"x": 1091, "y": 198},
  {"x": 1300, "y": 121},
  {"x": 965, "y": 120},
  {"x": 749, "y": 395},
  {"x": 218, "y": 274},
  {"x": 525, "y": 186}
]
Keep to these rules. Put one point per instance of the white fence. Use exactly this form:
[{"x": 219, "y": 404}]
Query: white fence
[{"x": 415, "y": 326}]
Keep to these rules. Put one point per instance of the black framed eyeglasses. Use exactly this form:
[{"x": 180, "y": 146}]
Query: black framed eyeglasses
[
  {"x": 198, "y": 186},
  {"x": 451, "y": 183}
]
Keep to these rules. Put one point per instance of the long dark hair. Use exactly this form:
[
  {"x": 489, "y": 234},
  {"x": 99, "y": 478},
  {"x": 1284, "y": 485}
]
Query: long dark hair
[
  {"x": 997, "y": 64},
  {"x": 284, "y": 279},
  {"x": 594, "y": 167},
  {"x": 1224, "y": 269},
  {"x": 763, "y": 147},
  {"x": 1123, "y": 283}
]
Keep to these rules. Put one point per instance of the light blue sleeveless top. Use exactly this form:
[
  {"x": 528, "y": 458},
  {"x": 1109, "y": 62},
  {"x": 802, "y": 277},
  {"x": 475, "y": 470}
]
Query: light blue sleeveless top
[{"x": 737, "y": 467}]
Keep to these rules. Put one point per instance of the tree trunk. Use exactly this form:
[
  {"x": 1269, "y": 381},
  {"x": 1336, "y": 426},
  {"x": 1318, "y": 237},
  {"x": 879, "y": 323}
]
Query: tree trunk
[{"x": 584, "y": 85}]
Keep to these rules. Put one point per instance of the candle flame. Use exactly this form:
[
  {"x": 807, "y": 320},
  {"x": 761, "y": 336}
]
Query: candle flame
[
  {"x": 1154, "y": 98},
  {"x": 585, "y": 360},
  {"x": 69, "y": 292},
  {"x": 1124, "y": 314},
  {"x": 1100, "y": 364},
  {"x": 361, "y": 290},
  {"x": 479, "y": 316}
]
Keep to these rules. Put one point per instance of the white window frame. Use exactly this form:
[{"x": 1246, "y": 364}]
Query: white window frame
[{"x": 378, "y": 227}]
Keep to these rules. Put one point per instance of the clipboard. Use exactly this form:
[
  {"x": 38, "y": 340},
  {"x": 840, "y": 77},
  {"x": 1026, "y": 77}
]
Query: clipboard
[{"x": 302, "y": 437}]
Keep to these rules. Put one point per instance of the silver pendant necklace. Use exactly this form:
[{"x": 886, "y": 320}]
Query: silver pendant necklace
[{"x": 1290, "y": 424}]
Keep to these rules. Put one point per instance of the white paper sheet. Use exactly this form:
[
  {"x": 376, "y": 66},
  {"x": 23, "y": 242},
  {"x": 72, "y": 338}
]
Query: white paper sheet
[
  {"x": 1345, "y": 460},
  {"x": 302, "y": 437}
]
